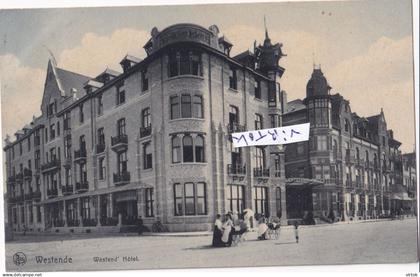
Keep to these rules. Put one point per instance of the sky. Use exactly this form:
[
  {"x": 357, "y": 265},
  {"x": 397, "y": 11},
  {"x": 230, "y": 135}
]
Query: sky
[{"x": 364, "y": 49}]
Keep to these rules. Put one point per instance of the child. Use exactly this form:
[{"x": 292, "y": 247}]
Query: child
[{"x": 296, "y": 231}]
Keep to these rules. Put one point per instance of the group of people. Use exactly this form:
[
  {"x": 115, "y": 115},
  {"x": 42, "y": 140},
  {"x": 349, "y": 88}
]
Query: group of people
[{"x": 232, "y": 229}]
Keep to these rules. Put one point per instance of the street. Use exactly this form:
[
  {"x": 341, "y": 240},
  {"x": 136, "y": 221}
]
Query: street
[{"x": 372, "y": 242}]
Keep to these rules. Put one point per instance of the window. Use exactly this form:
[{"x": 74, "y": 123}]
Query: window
[
  {"x": 257, "y": 89},
  {"x": 51, "y": 109},
  {"x": 184, "y": 62},
  {"x": 190, "y": 199},
  {"x": 199, "y": 149},
  {"x": 149, "y": 202},
  {"x": 233, "y": 115},
  {"x": 322, "y": 143},
  {"x": 260, "y": 157},
  {"x": 147, "y": 155},
  {"x": 20, "y": 148},
  {"x": 187, "y": 146},
  {"x": 260, "y": 200},
  {"x": 144, "y": 81},
  {"x": 29, "y": 143},
  {"x": 58, "y": 128},
  {"x": 198, "y": 106},
  {"x": 121, "y": 127},
  {"x": 100, "y": 102},
  {"x": 122, "y": 162},
  {"x": 102, "y": 168},
  {"x": 278, "y": 201},
  {"x": 258, "y": 122},
  {"x": 101, "y": 136},
  {"x": 67, "y": 146},
  {"x": 236, "y": 198},
  {"x": 37, "y": 159},
  {"x": 176, "y": 149},
  {"x": 185, "y": 106},
  {"x": 233, "y": 81},
  {"x": 67, "y": 177},
  {"x": 120, "y": 94},
  {"x": 146, "y": 118},
  {"x": 277, "y": 166},
  {"x": 81, "y": 114},
  {"x": 52, "y": 131},
  {"x": 178, "y": 200},
  {"x": 174, "y": 107},
  {"x": 67, "y": 122},
  {"x": 85, "y": 208},
  {"x": 82, "y": 143},
  {"x": 275, "y": 120}
]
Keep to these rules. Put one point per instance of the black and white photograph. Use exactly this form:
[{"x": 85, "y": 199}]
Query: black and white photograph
[{"x": 208, "y": 136}]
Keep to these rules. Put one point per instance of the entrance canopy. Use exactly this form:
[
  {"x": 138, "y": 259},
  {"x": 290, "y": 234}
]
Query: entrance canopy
[{"x": 303, "y": 182}]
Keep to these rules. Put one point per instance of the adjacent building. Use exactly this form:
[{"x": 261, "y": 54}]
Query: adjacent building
[{"x": 357, "y": 158}]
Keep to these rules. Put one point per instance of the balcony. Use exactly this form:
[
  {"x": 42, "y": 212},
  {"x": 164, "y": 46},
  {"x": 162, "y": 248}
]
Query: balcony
[
  {"x": 27, "y": 174},
  {"x": 82, "y": 186},
  {"x": 80, "y": 155},
  {"x": 67, "y": 189},
  {"x": 100, "y": 148},
  {"x": 236, "y": 169},
  {"x": 260, "y": 172},
  {"x": 145, "y": 131},
  {"x": 28, "y": 196},
  {"x": 52, "y": 165},
  {"x": 51, "y": 193},
  {"x": 119, "y": 143},
  {"x": 121, "y": 178},
  {"x": 235, "y": 128}
]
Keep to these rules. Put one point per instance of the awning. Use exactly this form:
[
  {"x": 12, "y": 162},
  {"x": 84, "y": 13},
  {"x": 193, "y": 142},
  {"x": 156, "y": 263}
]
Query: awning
[{"x": 303, "y": 182}]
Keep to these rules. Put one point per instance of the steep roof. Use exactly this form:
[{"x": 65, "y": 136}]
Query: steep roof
[
  {"x": 295, "y": 105},
  {"x": 71, "y": 80}
]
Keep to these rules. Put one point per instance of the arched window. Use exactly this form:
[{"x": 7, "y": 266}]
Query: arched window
[
  {"x": 187, "y": 146},
  {"x": 199, "y": 149},
  {"x": 176, "y": 149},
  {"x": 347, "y": 125},
  {"x": 357, "y": 154}
]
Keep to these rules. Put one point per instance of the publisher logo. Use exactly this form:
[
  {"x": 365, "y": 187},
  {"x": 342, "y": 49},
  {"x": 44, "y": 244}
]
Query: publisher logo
[{"x": 19, "y": 258}]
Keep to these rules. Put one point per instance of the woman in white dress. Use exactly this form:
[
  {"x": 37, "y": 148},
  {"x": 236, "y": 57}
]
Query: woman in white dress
[{"x": 227, "y": 230}]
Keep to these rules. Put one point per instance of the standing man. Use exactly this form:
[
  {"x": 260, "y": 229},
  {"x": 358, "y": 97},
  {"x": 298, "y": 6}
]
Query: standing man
[{"x": 140, "y": 225}]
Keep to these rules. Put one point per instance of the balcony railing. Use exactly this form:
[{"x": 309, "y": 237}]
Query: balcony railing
[
  {"x": 89, "y": 222},
  {"x": 235, "y": 127},
  {"x": 119, "y": 143},
  {"x": 121, "y": 178},
  {"x": 53, "y": 164},
  {"x": 67, "y": 189},
  {"x": 100, "y": 148},
  {"x": 11, "y": 179},
  {"x": 52, "y": 193},
  {"x": 82, "y": 186},
  {"x": 80, "y": 155},
  {"x": 261, "y": 172},
  {"x": 236, "y": 169},
  {"x": 145, "y": 131}
]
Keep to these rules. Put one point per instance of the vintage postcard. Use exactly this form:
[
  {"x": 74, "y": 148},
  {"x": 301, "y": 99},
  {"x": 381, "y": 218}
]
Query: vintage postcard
[{"x": 189, "y": 136}]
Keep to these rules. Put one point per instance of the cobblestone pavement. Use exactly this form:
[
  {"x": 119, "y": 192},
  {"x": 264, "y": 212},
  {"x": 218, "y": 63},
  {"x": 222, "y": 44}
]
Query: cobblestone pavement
[{"x": 373, "y": 242}]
